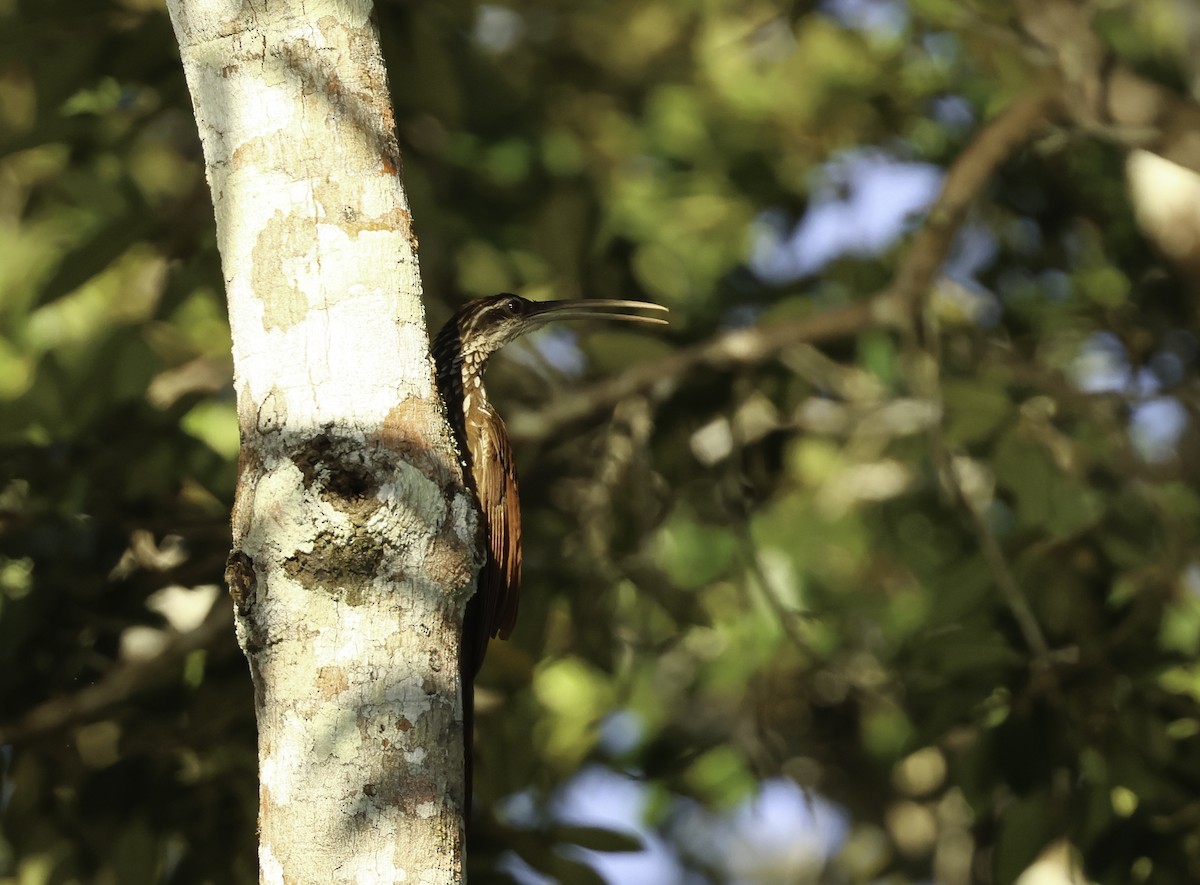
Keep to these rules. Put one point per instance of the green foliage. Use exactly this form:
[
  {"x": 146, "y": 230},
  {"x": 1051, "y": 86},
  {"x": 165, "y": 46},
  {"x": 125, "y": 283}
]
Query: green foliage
[{"x": 799, "y": 566}]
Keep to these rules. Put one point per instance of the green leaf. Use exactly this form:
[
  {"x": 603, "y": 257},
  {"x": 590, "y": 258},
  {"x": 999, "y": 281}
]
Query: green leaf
[
  {"x": 597, "y": 838},
  {"x": 975, "y": 410},
  {"x": 1046, "y": 498},
  {"x": 1026, "y": 828},
  {"x": 692, "y": 553},
  {"x": 720, "y": 776}
]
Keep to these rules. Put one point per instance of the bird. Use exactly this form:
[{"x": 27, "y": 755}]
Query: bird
[{"x": 460, "y": 353}]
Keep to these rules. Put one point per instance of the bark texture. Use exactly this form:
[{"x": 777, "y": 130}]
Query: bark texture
[{"x": 354, "y": 543}]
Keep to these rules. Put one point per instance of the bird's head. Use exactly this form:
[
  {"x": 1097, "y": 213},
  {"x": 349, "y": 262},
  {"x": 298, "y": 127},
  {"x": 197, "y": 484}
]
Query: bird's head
[{"x": 483, "y": 326}]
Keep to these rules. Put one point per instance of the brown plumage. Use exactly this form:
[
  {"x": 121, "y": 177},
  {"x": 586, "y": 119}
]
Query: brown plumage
[{"x": 460, "y": 352}]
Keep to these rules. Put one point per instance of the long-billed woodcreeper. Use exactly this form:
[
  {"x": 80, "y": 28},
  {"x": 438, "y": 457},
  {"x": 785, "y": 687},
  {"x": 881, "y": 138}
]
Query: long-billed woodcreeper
[{"x": 460, "y": 352}]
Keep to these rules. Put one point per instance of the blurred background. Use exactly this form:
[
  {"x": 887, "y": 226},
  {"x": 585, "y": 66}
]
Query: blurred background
[{"x": 897, "y": 608}]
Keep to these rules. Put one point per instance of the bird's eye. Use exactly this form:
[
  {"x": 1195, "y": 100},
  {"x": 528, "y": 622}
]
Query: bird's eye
[{"x": 513, "y": 307}]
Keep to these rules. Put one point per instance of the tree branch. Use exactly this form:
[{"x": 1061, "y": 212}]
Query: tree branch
[
  {"x": 122, "y": 682},
  {"x": 967, "y": 176},
  {"x": 892, "y": 306}
]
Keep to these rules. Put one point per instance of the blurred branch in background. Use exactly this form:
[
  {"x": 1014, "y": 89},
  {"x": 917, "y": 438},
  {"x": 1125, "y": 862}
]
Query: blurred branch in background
[
  {"x": 124, "y": 681},
  {"x": 894, "y": 305}
]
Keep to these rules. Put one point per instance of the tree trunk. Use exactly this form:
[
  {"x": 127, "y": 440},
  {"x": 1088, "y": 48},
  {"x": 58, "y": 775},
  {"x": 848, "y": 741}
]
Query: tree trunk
[{"x": 353, "y": 539}]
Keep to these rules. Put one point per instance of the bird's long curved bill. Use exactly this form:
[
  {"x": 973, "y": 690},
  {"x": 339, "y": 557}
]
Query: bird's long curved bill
[{"x": 598, "y": 309}]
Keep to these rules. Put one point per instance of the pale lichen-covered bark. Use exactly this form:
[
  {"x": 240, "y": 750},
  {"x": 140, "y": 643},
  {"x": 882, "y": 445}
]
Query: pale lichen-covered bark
[{"x": 354, "y": 545}]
